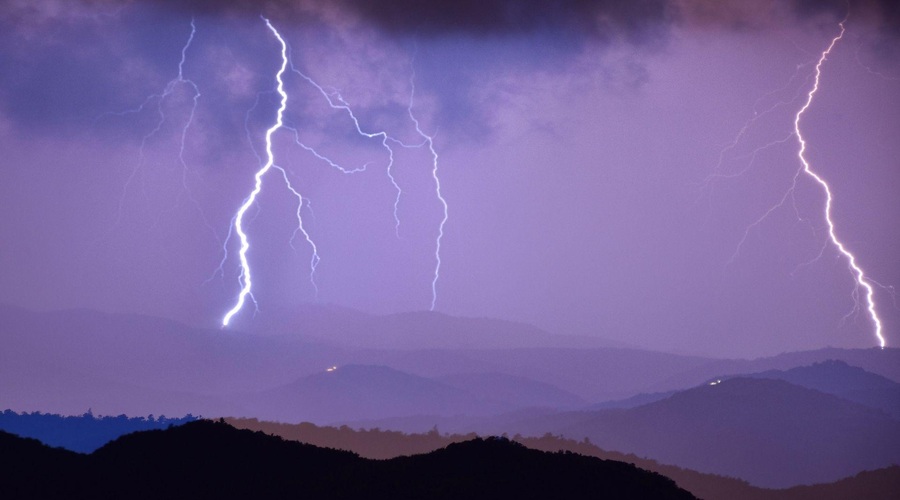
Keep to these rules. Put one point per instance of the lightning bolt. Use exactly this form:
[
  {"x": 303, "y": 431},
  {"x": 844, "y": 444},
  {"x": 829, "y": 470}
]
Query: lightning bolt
[
  {"x": 429, "y": 140},
  {"x": 859, "y": 275},
  {"x": 337, "y": 102},
  {"x": 861, "y": 282},
  {"x": 245, "y": 276},
  {"x": 388, "y": 142},
  {"x": 160, "y": 99}
]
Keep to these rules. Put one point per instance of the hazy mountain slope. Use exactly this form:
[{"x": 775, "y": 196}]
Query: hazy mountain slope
[
  {"x": 845, "y": 381},
  {"x": 591, "y": 374},
  {"x": 881, "y": 484},
  {"x": 70, "y": 361},
  {"x": 410, "y": 330},
  {"x": 769, "y": 432},
  {"x": 884, "y": 362},
  {"x": 362, "y": 391},
  {"x": 513, "y": 391}
]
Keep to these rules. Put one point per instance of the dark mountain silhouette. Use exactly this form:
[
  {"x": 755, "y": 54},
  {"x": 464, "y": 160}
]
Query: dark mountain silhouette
[
  {"x": 769, "y": 432},
  {"x": 349, "y": 391},
  {"x": 83, "y": 433},
  {"x": 373, "y": 443},
  {"x": 31, "y": 469},
  {"x": 206, "y": 459},
  {"x": 845, "y": 381}
]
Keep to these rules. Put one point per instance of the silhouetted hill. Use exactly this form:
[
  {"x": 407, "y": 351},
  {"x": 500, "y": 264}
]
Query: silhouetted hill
[
  {"x": 845, "y": 381},
  {"x": 769, "y": 432},
  {"x": 84, "y": 433},
  {"x": 374, "y": 443},
  {"x": 31, "y": 469},
  {"x": 206, "y": 459},
  {"x": 499, "y": 468}
]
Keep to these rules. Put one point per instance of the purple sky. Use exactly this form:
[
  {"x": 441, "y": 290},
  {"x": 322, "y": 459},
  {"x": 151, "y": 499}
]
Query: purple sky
[{"x": 574, "y": 148}]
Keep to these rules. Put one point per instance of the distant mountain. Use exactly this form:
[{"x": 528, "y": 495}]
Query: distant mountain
[
  {"x": 632, "y": 402},
  {"x": 68, "y": 361},
  {"x": 594, "y": 374},
  {"x": 349, "y": 392},
  {"x": 830, "y": 376},
  {"x": 769, "y": 432},
  {"x": 207, "y": 459},
  {"x": 513, "y": 391},
  {"x": 848, "y": 382},
  {"x": 884, "y": 362},
  {"x": 409, "y": 330}
]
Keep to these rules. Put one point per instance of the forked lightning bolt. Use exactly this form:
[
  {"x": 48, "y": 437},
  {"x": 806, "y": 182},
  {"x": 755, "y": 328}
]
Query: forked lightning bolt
[
  {"x": 245, "y": 277},
  {"x": 336, "y": 102},
  {"x": 860, "y": 279},
  {"x": 859, "y": 275},
  {"x": 437, "y": 190}
]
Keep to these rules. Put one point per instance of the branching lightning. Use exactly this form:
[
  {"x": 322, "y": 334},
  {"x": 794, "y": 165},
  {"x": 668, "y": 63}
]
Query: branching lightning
[
  {"x": 388, "y": 142},
  {"x": 337, "y": 102},
  {"x": 437, "y": 190},
  {"x": 245, "y": 277},
  {"x": 160, "y": 99},
  {"x": 861, "y": 282},
  {"x": 857, "y": 271}
]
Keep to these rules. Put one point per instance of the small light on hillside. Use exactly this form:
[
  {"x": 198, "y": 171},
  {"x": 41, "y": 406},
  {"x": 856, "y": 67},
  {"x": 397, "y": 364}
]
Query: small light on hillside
[
  {"x": 715, "y": 382},
  {"x": 333, "y": 368}
]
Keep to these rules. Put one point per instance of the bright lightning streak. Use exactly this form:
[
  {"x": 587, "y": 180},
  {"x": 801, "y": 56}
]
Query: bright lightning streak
[
  {"x": 437, "y": 190},
  {"x": 245, "y": 277},
  {"x": 861, "y": 281},
  {"x": 336, "y": 102},
  {"x": 857, "y": 271},
  {"x": 160, "y": 99}
]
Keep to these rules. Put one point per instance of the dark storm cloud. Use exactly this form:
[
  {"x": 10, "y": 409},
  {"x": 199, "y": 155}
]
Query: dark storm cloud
[
  {"x": 42, "y": 81},
  {"x": 634, "y": 21},
  {"x": 599, "y": 18},
  {"x": 469, "y": 17}
]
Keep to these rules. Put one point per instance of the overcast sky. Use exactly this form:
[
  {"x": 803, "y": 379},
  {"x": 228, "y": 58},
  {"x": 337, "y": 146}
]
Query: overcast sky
[{"x": 603, "y": 165}]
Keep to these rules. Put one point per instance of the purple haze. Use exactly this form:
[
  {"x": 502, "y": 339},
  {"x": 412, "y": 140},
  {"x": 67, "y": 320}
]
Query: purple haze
[{"x": 573, "y": 156}]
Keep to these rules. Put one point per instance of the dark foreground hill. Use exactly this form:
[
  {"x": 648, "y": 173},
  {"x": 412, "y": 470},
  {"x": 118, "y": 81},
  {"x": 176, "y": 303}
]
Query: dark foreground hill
[
  {"x": 84, "y": 433},
  {"x": 206, "y": 459},
  {"x": 882, "y": 484}
]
